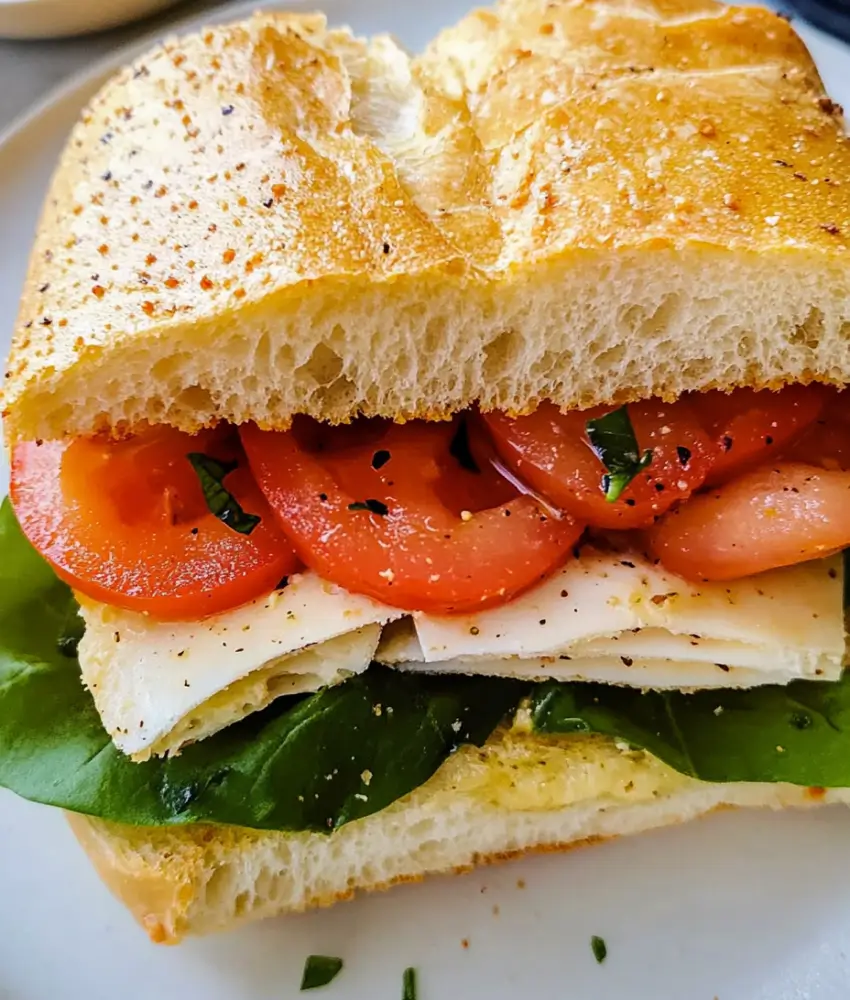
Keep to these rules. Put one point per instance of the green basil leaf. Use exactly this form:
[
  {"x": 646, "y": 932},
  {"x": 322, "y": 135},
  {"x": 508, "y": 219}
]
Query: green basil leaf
[
  {"x": 613, "y": 441},
  {"x": 319, "y": 970},
  {"x": 799, "y": 733},
  {"x": 304, "y": 763},
  {"x": 211, "y": 473},
  {"x": 408, "y": 984}
]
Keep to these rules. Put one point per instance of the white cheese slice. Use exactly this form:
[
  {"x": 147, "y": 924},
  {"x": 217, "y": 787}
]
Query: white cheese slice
[
  {"x": 618, "y": 618},
  {"x": 159, "y": 685}
]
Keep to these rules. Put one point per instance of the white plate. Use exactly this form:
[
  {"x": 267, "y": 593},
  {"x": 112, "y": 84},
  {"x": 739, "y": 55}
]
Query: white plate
[
  {"x": 61, "y": 18},
  {"x": 736, "y": 907}
]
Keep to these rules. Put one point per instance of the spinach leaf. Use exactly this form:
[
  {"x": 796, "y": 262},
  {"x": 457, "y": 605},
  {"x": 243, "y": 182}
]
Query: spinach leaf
[
  {"x": 304, "y": 763},
  {"x": 211, "y": 473},
  {"x": 613, "y": 441},
  {"x": 799, "y": 733},
  {"x": 319, "y": 970}
]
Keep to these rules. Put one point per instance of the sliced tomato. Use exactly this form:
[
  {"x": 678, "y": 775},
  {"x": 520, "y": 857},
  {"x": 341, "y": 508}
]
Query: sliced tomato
[
  {"x": 126, "y": 523},
  {"x": 776, "y": 516},
  {"x": 748, "y": 428},
  {"x": 826, "y": 442},
  {"x": 550, "y": 451},
  {"x": 396, "y": 512}
]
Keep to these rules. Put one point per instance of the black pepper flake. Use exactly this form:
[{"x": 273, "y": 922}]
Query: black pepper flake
[
  {"x": 387, "y": 248},
  {"x": 373, "y": 506},
  {"x": 723, "y": 667},
  {"x": 47, "y": 321},
  {"x": 44, "y": 288},
  {"x": 323, "y": 497},
  {"x": 625, "y": 562},
  {"x": 542, "y": 621},
  {"x": 630, "y": 501},
  {"x": 147, "y": 185},
  {"x": 627, "y": 661},
  {"x": 283, "y": 583},
  {"x": 768, "y": 439},
  {"x": 659, "y": 487},
  {"x": 782, "y": 163},
  {"x": 833, "y": 574},
  {"x": 107, "y": 176},
  {"x": 194, "y": 531},
  {"x": 268, "y": 203},
  {"x": 831, "y": 228},
  {"x": 727, "y": 443},
  {"x": 380, "y": 458},
  {"x": 227, "y": 110},
  {"x": 683, "y": 453}
]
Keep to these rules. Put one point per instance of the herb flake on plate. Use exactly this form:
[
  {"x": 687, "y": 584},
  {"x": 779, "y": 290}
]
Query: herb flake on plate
[
  {"x": 319, "y": 970},
  {"x": 408, "y": 984},
  {"x": 599, "y": 948}
]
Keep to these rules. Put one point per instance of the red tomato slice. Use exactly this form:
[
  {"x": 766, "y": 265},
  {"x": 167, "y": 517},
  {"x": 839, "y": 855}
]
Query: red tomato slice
[
  {"x": 826, "y": 442},
  {"x": 776, "y": 516},
  {"x": 126, "y": 523},
  {"x": 550, "y": 451},
  {"x": 434, "y": 536},
  {"x": 748, "y": 428}
]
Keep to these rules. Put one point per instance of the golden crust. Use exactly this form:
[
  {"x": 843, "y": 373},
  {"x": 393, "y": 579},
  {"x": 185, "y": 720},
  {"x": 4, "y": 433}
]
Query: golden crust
[
  {"x": 274, "y": 163},
  {"x": 160, "y": 898}
]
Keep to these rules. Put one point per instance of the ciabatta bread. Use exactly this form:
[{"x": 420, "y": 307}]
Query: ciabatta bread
[
  {"x": 517, "y": 795},
  {"x": 586, "y": 201}
]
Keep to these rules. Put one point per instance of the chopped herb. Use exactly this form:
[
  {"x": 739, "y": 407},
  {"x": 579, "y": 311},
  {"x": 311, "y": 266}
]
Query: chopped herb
[
  {"x": 459, "y": 448},
  {"x": 683, "y": 453},
  {"x": 380, "y": 458},
  {"x": 373, "y": 506},
  {"x": 319, "y": 970},
  {"x": 599, "y": 948},
  {"x": 211, "y": 474},
  {"x": 613, "y": 441},
  {"x": 408, "y": 984}
]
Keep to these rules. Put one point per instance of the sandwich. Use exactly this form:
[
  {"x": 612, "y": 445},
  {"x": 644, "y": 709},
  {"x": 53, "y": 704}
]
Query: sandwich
[{"x": 422, "y": 461}]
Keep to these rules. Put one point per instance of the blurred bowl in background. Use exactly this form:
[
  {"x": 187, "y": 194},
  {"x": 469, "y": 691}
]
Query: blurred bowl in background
[{"x": 61, "y": 18}]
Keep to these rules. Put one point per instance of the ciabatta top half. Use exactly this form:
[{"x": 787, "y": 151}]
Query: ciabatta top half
[{"x": 586, "y": 201}]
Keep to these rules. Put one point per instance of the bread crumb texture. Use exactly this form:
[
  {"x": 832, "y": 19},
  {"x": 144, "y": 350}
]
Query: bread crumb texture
[
  {"x": 518, "y": 794},
  {"x": 589, "y": 201}
]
